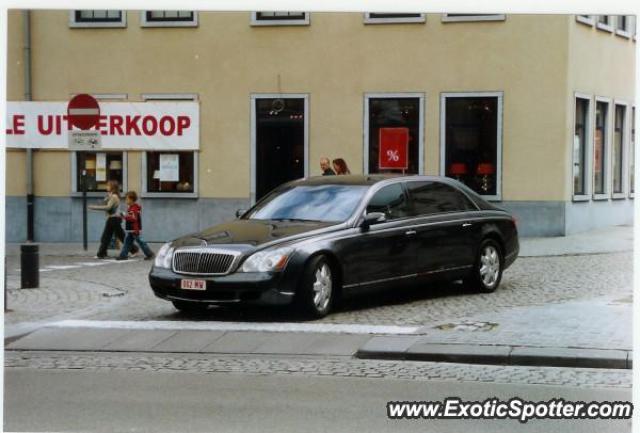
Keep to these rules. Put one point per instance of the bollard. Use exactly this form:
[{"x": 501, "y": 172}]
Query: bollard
[{"x": 29, "y": 266}]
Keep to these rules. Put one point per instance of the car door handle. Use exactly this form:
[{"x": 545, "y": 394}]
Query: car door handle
[
  {"x": 410, "y": 232},
  {"x": 467, "y": 225}
]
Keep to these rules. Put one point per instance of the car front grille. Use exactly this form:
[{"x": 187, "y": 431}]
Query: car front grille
[{"x": 203, "y": 261}]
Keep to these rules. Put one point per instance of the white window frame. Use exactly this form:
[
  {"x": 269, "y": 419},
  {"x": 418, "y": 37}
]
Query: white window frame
[
  {"x": 626, "y": 132},
  {"x": 499, "y": 134},
  {"x": 625, "y": 33},
  {"x": 631, "y": 114},
  {"x": 259, "y": 23},
  {"x": 254, "y": 97},
  {"x": 588, "y": 151},
  {"x": 75, "y": 192},
  {"x": 196, "y": 153},
  {"x": 400, "y": 20},
  {"x": 607, "y": 149},
  {"x": 446, "y": 18},
  {"x": 97, "y": 25},
  {"x": 588, "y": 20},
  {"x": 145, "y": 22},
  {"x": 605, "y": 27},
  {"x": 421, "y": 124}
]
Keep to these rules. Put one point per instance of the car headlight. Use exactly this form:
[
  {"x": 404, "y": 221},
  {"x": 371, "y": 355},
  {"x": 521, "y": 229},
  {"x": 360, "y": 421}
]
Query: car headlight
[
  {"x": 164, "y": 256},
  {"x": 268, "y": 261}
]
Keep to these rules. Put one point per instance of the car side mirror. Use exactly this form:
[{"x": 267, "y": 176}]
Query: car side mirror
[
  {"x": 240, "y": 212},
  {"x": 372, "y": 218}
]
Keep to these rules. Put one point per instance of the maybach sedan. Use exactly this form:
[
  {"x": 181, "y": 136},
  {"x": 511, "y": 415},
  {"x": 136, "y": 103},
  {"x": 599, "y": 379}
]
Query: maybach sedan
[{"x": 311, "y": 241}]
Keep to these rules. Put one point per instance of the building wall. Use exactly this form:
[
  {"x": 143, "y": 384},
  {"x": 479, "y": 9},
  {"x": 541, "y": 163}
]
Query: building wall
[{"x": 336, "y": 60}]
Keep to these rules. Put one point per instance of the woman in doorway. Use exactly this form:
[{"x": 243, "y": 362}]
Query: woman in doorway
[
  {"x": 340, "y": 166},
  {"x": 113, "y": 224}
]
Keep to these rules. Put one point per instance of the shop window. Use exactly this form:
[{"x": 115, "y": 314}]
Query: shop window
[
  {"x": 99, "y": 167},
  {"x": 169, "y": 18},
  {"x": 472, "y": 17},
  {"x": 600, "y": 148},
  {"x": 390, "y": 113},
  {"x": 472, "y": 144},
  {"x": 169, "y": 172},
  {"x": 618, "y": 148},
  {"x": 279, "y": 18},
  {"x": 97, "y": 18},
  {"x": 390, "y": 18},
  {"x": 581, "y": 134},
  {"x": 632, "y": 153},
  {"x": 603, "y": 22}
]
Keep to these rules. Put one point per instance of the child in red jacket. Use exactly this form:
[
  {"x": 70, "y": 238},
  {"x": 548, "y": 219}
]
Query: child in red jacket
[{"x": 133, "y": 219}]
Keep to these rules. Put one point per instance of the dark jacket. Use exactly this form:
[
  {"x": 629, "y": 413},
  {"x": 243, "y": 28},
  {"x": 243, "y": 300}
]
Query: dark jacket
[
  {"x": 328, "y": 172},
  {"x": 133, "y": 219}
]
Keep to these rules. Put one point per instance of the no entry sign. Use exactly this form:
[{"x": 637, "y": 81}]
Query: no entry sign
[
  {"x": 83, "y": 111},
  {"x": 393, "y": 145}
]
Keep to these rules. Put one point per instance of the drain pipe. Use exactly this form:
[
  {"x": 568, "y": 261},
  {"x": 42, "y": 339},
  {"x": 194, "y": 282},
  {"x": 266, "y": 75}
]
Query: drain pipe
[{"x": 27, "y": 97}]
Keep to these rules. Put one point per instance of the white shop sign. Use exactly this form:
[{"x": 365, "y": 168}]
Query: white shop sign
[{"x": 122, "y": 125}]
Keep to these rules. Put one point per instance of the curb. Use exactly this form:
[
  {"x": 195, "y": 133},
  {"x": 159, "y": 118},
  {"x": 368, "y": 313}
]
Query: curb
[{"x": 413, "y": 349}]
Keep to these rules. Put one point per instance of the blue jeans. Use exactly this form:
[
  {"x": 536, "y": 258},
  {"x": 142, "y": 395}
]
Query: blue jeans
[{"x": 128, "y": 242}]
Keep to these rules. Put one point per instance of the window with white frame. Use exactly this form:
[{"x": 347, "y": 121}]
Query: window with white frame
[
  {"x": 95, "y": 169},
  {"x": 585, "y": 19},
  {"x": 580, "y": 140},
  {"x": 623, "y": 25},
  {"x": 632, "y": 153},
  {"x": 471, "y": 140},
  {"x": 619, "y": 137},
  {"x": 276, "y": 18},
  {"x": 600, "y": 145},
  {"x": 167, "y": 172},
  {"x": 97, "y": 18},
  {"x": 448, "y": 18},
  {"x": 391, "y": 18},
  {"x": 603, "y": 22},
  {"x": 169, "y": 18}
]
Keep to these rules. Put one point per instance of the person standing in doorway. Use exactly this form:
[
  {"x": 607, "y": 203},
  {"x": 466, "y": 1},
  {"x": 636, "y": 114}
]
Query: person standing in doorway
[
  {"x": 340, "y": 166},
  {"x": 133, "y": 224},
  {"x": 326, "y": 167},
  {"x": 113, "y": 224}
]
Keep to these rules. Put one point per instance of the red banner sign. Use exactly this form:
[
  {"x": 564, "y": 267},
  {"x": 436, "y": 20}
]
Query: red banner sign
[{"x": 394, "y": 149}]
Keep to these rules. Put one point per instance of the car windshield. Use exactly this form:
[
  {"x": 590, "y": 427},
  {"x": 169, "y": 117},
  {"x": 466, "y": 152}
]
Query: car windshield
[{"x": 326, "y": 203}]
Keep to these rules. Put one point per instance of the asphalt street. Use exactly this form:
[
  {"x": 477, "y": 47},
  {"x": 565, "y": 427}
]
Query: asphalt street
[{"x": 146, "y": 401}]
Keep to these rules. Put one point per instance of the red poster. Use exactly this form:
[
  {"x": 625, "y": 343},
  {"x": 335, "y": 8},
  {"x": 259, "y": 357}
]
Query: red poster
[{"x": 394, "y": 149}]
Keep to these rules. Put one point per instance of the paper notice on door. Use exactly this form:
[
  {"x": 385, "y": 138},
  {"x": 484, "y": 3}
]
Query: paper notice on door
[
  {"x": 169, "y": 168},
  {"x": 101, "y": 167}
]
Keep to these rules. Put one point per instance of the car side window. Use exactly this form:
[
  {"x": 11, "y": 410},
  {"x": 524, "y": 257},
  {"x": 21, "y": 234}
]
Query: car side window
[
  {"x": 427, "y": 198},
  {"x": 390, "y": 200}
]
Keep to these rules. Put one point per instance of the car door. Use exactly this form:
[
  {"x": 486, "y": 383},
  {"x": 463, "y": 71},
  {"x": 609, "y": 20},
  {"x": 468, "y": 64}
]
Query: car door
[
  {"x": 384, "y": 252},
  {"x": 446, "y": 232}
]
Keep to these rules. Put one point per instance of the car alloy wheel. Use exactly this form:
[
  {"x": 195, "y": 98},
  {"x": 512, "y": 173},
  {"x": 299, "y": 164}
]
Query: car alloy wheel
[
  {"x": 322, "y": 287},
  {"x": 487, "y": 271},
  {"x": 316, "y": 293}
]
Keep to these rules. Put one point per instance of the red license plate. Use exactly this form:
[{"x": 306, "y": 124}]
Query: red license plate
[{"x": 193, "y": 284}]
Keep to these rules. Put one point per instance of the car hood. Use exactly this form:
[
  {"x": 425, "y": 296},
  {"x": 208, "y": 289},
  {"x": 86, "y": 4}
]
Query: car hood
[{"x": 251, "y": 233}]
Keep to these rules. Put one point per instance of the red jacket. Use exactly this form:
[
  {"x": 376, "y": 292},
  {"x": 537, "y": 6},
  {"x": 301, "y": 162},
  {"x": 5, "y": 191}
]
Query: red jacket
[{"x": 133, "y": 219}]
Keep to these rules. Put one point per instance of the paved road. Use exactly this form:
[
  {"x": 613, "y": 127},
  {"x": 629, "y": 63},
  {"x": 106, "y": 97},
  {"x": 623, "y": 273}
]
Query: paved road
[{"x": 110, "y": 399}]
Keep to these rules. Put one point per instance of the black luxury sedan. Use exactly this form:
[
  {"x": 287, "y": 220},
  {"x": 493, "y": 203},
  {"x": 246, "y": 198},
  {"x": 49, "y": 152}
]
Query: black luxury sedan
[{"x": 313, "y": 240}]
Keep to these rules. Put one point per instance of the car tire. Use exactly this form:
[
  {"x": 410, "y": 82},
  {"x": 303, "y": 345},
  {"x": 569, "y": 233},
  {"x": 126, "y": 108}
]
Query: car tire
[
  {"x": 190, "y": 307},
  {"x": 317, "y": 292},
  {"x": 487, "y": 269}
]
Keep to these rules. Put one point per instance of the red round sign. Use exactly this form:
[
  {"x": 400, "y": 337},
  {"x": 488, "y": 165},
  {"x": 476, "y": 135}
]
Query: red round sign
[{"x": 83, "y": 111}]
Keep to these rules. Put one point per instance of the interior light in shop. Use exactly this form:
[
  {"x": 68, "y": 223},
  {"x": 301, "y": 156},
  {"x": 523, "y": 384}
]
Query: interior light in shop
[
  {"x": 90, "y": 164},
  {"x": 115, "y": 165}
]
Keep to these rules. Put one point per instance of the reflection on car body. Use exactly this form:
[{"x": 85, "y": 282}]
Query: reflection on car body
[{"x": 313, "y": 240}]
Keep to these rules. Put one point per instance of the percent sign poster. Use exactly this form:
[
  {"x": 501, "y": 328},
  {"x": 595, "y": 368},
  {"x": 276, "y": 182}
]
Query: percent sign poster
[{"x": 394, "y": 149}]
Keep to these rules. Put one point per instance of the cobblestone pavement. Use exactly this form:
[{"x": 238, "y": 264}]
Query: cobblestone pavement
[
  {"x": 120, "y": 291},
  {"x": 336, "y": 367}
]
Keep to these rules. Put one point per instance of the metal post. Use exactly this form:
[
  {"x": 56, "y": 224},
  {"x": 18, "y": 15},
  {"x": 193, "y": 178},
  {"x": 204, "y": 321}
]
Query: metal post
[
  {"x": 29, "y": 266},
  {"x": 27, "y": 97},
  {"x": 84, "y": 209}
]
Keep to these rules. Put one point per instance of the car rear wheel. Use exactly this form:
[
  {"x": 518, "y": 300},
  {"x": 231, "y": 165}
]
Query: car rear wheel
[
  {"x": 190, "y": 307},
  {"x": 487, "y": 270},
  {"x": 316, "y": 294}
]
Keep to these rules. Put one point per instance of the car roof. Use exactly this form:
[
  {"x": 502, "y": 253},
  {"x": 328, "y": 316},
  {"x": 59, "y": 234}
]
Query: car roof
[{"x": 359, "y": 179}]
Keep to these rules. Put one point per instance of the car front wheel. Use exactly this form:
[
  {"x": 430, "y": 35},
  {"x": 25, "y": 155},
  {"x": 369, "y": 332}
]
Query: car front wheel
[
  {"x": 316, "y": 293},
  {"x": 487, "y": 270}
]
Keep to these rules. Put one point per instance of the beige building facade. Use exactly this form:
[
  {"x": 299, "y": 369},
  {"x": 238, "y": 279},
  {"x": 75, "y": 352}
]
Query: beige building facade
[{"x": 534, "y": 112}]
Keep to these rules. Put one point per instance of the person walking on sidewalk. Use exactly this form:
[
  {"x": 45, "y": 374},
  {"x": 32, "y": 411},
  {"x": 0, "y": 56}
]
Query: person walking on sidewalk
[
  {"x": 133, "y": 224},
  {"x": 112, "y": 225}
]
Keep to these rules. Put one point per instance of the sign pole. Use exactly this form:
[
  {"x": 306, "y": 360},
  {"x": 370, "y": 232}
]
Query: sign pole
[{"x": 84, "y": 209}]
